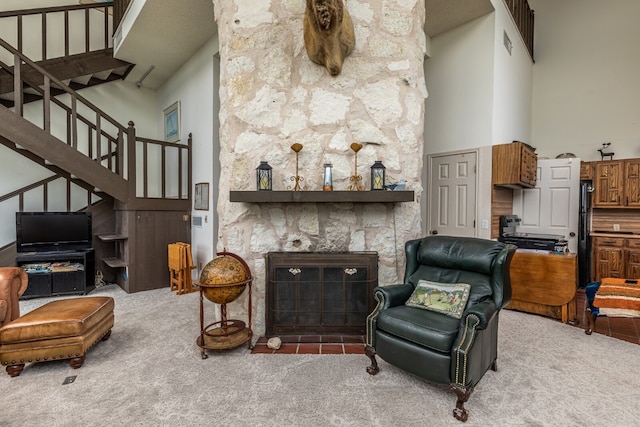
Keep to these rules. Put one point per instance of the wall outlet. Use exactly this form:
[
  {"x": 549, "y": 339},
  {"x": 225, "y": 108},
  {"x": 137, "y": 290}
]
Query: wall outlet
[
  {"x": 484, "y": 224},
  {"x": 616, "y": 227}
]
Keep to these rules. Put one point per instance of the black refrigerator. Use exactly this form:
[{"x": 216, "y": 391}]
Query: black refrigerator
[{"x": 584, "y": 241}]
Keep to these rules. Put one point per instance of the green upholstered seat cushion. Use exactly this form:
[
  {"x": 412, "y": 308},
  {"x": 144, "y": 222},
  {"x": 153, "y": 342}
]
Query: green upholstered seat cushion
[
  {"x": 423, "y": 327},
  {"x": 446, "y": 298}
]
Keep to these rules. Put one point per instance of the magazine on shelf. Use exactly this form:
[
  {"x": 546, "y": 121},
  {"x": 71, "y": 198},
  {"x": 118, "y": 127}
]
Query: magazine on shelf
[{"x": 56, "y": 267}]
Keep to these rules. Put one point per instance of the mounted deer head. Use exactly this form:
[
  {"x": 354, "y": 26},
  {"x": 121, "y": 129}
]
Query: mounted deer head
[{"x": 328, "y": 33}]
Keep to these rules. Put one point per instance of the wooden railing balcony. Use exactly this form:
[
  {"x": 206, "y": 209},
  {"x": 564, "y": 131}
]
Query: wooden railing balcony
[
  {"x": 62, "y": 30},
  {"x": 524, "y": 19}
]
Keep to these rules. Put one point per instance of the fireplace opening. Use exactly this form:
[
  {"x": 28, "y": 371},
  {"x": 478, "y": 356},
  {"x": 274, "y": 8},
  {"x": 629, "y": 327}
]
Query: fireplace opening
[{"x": 319, "y": 293}]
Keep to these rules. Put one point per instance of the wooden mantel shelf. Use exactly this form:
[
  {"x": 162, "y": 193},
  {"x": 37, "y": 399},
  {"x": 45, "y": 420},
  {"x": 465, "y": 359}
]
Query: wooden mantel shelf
[{"x": 321, "y": 196}]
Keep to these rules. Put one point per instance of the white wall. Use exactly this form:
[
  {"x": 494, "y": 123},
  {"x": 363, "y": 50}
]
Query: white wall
[
  {"x": 512, "y": 82},
  {"x": 459, "y": 76},
  {"x": 479, "y": 95},
  {"x": 193, "y": 85},
  {"x": 586, "y": 80},
  {"x": 125, "y": 102}
]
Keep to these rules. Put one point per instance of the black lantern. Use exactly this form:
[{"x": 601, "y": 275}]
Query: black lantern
[
  {"x": 263, "y": 177},
  {"x": 377, "y": 176}
]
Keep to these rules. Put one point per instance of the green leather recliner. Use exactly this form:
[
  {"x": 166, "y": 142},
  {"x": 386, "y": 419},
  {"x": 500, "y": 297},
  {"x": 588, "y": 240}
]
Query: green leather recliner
[{"x": 435, "y": 346}]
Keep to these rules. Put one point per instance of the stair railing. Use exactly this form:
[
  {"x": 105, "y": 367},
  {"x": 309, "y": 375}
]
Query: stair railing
[
  {"x": 58, "y": 26},
  {"x": 524, "y": 18},
  {"x": 43, "y": 186},
  {"x": 83, "y": 126},
  {"x": 104, "y": 133}
]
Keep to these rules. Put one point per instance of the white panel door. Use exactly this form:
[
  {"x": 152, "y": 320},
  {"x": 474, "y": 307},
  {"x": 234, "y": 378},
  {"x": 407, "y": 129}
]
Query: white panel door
[
  {"x": 452, "y": 208},
  {"x": 552, "y": 206}
]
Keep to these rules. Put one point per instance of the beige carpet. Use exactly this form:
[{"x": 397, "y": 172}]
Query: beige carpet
[{"x": 149, "y": 373}]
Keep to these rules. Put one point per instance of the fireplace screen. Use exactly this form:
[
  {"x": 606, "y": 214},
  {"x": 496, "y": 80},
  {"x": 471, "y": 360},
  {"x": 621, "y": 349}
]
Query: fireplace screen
[{"x": 319, "y": 293}]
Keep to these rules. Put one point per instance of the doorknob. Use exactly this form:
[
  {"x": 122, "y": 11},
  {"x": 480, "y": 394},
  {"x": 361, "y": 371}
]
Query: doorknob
[
  {"x": 572, "y": 234},
  {"x": 434, "y": 232}
]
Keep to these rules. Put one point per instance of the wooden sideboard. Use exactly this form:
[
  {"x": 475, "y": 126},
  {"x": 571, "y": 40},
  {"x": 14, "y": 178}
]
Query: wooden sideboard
[{"x": 544, "y": 283}]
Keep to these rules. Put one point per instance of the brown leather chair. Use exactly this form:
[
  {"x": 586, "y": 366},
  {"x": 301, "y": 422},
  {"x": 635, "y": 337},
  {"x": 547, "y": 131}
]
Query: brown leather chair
[{"x": 13, "y": 283}]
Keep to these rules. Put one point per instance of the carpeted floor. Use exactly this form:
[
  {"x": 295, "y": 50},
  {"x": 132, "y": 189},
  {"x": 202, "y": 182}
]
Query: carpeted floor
[{"x": 150, "y": 373}]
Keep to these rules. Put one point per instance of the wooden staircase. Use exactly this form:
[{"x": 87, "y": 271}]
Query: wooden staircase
[
  {"x": 77, "y": 71},
  {"x": 84, "y": 146},
  {"x": 88, "y": 63}
]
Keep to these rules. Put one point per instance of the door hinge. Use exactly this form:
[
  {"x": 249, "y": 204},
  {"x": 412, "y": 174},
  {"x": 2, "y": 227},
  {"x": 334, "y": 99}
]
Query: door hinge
[{"x": 474, "y": 223}]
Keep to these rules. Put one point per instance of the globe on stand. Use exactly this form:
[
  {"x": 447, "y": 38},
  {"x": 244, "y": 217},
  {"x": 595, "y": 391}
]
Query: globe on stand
[{"x": 222, "y": 281}]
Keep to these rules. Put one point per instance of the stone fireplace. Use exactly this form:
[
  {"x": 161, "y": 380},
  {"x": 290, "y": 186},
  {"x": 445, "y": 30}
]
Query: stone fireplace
[{"x": 272, "y": 96}]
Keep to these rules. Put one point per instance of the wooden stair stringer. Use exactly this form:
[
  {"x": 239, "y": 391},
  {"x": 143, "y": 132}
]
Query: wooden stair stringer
[
  {"x": 31, "y": 138},
  {"x": 71, "y": 67}
]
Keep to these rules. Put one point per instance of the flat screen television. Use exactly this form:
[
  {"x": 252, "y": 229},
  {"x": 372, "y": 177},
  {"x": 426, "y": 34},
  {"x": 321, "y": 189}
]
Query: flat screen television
[{"x": 53, "y": 231}]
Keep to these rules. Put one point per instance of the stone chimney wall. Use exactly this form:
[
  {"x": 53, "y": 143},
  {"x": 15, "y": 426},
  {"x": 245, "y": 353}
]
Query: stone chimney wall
[{"x": 272, "y": 96}]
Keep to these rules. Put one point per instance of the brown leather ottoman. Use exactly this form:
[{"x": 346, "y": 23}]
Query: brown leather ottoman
[{"x": 62, "y": 329}]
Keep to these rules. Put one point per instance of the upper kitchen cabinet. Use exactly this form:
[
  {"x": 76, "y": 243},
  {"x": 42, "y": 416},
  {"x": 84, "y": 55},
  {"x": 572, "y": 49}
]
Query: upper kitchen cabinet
[
  {"x": 632, "y": 182},
  {"x": 617, "y": 184},
  {"x": 515, "y": 165},
  {"x": 586, "y": 171}
]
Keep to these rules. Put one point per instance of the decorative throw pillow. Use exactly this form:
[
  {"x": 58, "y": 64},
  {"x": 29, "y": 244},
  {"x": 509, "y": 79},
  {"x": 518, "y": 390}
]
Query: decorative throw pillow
[{"x": 447, "y": 298}]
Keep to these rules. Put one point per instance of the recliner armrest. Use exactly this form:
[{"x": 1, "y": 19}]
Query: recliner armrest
[
  {"x": 393, "y": 295},
  {"x": 386, "y": 296},
  {"x": 484, "y": 311},
  {"x": 476, "y": 318}
]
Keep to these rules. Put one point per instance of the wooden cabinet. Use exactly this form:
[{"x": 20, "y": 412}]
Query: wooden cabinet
[
  {"x": 608, "y": 259},
  {"x": 515, "y": 165},
  {"x": 617, "y": 184},
  {"x": 616, "y": 257},
  {"x": 544, "y": 283},
  {"x": 586, "y": 171},
  {"x": 58, "y": 273},
  {"x": 632, "y": 254},
  {"x": 632, "y": 183}
]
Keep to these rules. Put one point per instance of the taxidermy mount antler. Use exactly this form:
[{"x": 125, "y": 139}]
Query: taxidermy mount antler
[{"x": 328, "y": 33}]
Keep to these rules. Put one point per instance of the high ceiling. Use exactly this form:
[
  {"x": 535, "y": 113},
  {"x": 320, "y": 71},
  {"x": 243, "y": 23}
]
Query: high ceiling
[
  {"x": 444, "y": 15},
  {"x": 163, "y": 34}
]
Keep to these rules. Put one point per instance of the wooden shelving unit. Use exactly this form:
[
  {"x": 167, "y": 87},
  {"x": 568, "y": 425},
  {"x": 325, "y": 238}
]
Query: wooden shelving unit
[
  {"x": 321, "y": 196},
  {"x": 73, "y": 281},
  {"x": 118, "y": 239}
]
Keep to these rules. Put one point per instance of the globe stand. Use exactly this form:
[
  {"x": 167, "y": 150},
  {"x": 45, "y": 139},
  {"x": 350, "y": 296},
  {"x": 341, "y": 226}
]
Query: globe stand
[{"x": 226, "y": 333}]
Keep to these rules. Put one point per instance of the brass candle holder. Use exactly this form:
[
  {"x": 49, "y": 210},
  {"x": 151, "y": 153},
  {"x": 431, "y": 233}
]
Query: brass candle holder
[
  {"x": 297, "y": 178},
  {"x": 355, "y": 178}
]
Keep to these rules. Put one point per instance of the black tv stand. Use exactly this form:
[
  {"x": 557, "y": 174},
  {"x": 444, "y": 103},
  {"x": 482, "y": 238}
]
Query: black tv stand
[{"x": 60, "y": 281}]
